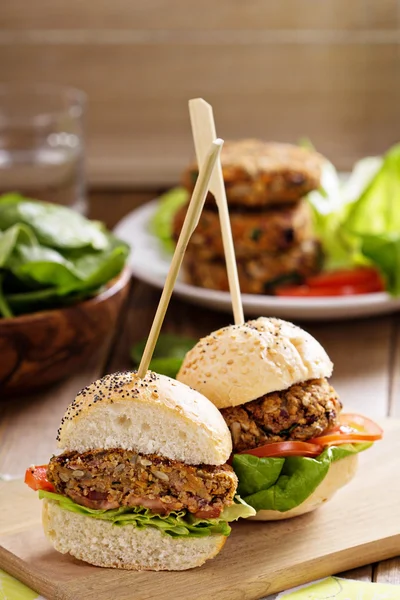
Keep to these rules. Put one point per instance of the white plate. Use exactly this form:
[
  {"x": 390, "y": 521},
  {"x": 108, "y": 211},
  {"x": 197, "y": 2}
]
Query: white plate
[{"x": 150, "y": 264}]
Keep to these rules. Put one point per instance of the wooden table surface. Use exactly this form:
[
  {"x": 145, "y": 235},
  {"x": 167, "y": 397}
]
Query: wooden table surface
[{"x": 366, "y": 354}]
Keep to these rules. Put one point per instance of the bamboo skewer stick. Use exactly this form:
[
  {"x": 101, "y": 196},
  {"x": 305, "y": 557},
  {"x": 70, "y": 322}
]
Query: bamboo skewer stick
[
  {"x": 192, "y": 218},
  {"x": 203, "y": 127}
]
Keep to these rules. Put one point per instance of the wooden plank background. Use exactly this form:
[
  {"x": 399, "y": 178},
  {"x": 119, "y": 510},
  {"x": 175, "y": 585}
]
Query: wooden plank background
[{"x": 280, "y": 70}]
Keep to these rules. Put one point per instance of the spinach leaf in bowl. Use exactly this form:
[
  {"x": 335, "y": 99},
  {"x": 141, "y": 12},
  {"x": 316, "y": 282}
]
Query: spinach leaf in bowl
[
  {"x": 9, "y": 238},
  {"x": 55, "y": 226},
  {"x": 51, "y": 256}
]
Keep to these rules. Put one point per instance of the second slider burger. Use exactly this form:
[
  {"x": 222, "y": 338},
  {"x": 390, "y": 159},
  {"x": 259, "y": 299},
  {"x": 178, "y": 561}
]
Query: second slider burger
[{"x": 292, "y": 447}]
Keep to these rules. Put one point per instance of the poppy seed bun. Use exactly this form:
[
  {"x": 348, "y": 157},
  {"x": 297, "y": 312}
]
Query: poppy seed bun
[
  {"x": 240, "y": 363},
  {"x": 102, "y": 544},
  {"x": 153, "y": 415},
  {"x": 340, "y": 472}
]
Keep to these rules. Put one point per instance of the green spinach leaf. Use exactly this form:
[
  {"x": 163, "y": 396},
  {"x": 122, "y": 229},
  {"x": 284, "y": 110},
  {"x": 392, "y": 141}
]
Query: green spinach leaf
[
  {"x": 53, "y": 225},
  {"x": 51, "y": 256},
  {"x": 168, "y": 354},
  {"x": 284, "y": 483}
]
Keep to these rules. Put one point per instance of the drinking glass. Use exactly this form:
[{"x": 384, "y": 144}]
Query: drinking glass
[{"x": 42, "y": 143}]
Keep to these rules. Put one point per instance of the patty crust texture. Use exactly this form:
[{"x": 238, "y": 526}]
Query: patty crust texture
[
  {"x": 301, "y": 412},
  {"x": 253, "y": 233},
  {"x": 107, "y": 479},
  {"x": 257, "y": 275},
  {"x": 258, "y": 173}
]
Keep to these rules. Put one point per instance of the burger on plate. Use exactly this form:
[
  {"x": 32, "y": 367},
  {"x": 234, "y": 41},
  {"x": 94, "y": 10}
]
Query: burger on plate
[
  {"x": 292, "y": 446},
  {"x": 142, "y": 481}
]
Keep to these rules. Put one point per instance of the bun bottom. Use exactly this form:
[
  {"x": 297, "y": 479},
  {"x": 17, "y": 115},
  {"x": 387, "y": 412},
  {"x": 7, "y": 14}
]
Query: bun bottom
[
  {"x": 126, "y": 547},
  {"x": 340, "y": 473}
]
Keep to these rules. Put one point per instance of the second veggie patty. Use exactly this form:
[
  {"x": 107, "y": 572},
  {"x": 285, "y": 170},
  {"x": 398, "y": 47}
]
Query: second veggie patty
[
  {"x": 254, "y": 232},
  {"x": 301, "y": 412}
]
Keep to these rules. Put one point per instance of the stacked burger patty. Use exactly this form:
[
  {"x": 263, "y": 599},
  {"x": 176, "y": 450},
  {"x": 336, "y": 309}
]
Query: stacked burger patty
[{"x": 271, "y": 221}]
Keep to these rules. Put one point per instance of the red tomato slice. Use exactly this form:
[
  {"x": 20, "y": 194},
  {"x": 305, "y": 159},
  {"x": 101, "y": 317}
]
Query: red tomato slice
[
  {"x": 344, "y": 277},
  {"x": 353, "y": 428},
  {"x": 36, "y": 478},
  {"x": 361, "y": 424},
  {"x": 283, "y": 449},
  {"x": 341, "y": 438},
  {"x": 331, "y": 290},
  {"x": 363, "y": 280}
]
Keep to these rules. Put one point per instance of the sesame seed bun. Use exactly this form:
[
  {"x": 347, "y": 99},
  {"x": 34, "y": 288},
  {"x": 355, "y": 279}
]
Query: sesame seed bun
[
  {"x": 240, "y": 363},
  {"x": 153, "y": 415}
]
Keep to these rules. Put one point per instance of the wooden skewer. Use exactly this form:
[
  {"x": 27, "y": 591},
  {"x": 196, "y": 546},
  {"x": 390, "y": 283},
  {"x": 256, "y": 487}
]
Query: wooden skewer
[
  {"x": 192, "y": 218},
  {"x": 203, "y": 127}
]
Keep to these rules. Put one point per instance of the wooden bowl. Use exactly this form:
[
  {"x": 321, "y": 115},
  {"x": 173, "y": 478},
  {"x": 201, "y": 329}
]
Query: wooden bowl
[{"x": 43, "y": 347}]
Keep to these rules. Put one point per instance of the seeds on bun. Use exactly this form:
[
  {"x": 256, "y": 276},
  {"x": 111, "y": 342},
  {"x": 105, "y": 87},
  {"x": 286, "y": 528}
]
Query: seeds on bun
[
  {"x": 240, "y": 363},
  {"x": 154, "y": 415}
]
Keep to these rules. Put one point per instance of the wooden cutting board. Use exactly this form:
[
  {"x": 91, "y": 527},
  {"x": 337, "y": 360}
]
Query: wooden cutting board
[{"x": 359, "y": 526}]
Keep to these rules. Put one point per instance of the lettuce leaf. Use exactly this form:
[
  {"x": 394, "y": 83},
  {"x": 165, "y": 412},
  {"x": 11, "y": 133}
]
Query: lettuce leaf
[
  {"x": 162, "y": 221},
  {"x": 374, "y": 220},
  {"x": 358, "y": 221},
  {"x": 348, "y": 213},
  {"x": 284, "y": 483},
  {"x": 376, "y": 209},
  {"x": 238, "y": 510},
  {"x": 384, "y": 251},
  {"x": 176, "y": 524},
  {"x": 330, "y": 206}
]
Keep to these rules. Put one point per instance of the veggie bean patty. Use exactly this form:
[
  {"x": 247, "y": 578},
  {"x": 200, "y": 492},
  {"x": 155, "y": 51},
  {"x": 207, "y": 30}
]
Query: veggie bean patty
[
  {"x": 107, "y": 479},
  {"x": 301, "y": 412},
  {"x": 254, "y": 232},
  {"x": 257, "y": 275},
  {"x": 259, "y": 173}
]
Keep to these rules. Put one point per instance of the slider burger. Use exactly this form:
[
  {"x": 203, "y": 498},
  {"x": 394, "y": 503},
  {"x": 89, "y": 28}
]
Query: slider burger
[
  {"x": 292, "y": 447},
  {"x": 142, "y": 481}
]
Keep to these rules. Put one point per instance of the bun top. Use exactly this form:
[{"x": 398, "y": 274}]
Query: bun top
[
  {"x": 153, "y": 415},
  {"x": 240, "y": 363},
  {"x": 256, "y": 156}
]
